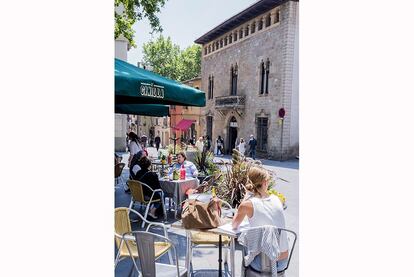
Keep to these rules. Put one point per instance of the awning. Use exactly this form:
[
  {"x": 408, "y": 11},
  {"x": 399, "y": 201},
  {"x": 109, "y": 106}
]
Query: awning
[
  {"x": 135, "y": 85},
  {"x": 142, "y": 109},
  {"x": 184, "y": 124}
]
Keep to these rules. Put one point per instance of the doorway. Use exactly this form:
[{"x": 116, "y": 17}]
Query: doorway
[{"x": 232, "y": 135}]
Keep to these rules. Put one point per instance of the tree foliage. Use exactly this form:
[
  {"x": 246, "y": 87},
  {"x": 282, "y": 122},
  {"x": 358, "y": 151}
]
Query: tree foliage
[
  {"x": 190, "y": 62},
  {"x": 168, "y": 60},
  {"x": 127, "y": 12},
  {"x": 163, "y": 56}
]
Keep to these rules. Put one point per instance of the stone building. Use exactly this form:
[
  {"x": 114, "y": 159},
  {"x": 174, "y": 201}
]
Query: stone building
[
  {"x": 249, "y": 72},
  {"x": 179, "y": 113},
  {"x": 152, "y": 126}
]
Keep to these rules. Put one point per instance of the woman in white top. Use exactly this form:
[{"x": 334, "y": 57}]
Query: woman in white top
[
  {"x": 242, "y": 146},
  {"x": 133, "y": 146},
  {"x": 262, "y": 209}
]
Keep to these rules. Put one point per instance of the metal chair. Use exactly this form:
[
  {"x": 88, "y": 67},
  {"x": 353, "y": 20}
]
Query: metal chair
[
  {"x": 248, "y": 271},
  {"x": 119, "y": 167},
  {"x": 123, "y": 225},
  {"x": 199, "y": 239},
  {"x": 137, "y": 195},
  {"x": 146, "y": 256}
]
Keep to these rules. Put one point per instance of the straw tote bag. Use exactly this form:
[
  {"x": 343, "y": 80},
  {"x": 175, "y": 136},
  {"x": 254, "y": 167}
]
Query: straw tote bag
[{"x": 200, "y": 215}]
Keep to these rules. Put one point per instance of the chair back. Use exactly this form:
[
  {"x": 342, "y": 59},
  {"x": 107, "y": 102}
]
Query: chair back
[
  {"x": 122, "y": 223},
  {"x": 118, "y": 169},
  {"x": 265, "y": 261},
  {"x": 137, "y": 191},
  {"x": 146, "y": 253}
]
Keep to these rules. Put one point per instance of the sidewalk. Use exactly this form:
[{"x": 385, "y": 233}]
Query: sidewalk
[{"x": 205, "y": 260}]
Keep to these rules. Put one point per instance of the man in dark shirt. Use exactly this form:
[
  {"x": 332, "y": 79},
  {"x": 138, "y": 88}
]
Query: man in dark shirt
[
  {"x": 252, "y": 144},
  {"x": 157, "y": 142}
]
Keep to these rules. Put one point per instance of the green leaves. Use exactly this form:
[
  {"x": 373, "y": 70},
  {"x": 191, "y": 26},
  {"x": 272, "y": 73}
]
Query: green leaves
[
  {"x": 127, "y": 12},
  {"x": 168, "y": 60}
]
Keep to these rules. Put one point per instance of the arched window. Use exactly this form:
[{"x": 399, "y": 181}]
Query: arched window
[
  {"x": 241, "y": 33},
  {"x": 262, "y": 77},
  {"x": 235, "y": 36},
  {"x": 210, "y": 86},
  {"x": 209, "y": 49},
  {"x": 225, "y": 41},
  {"x": 277, "y": 17},
  {"x": 260, "y": 26},
  {"x": 268, "y": 20},
  {"x": 221, "y": 43},
  {"x": 253, "y": 27},
  {"x": 233, "y": 79},
  {"x": 217, "y": 45},
  {"x": 230, "y": 38},
  {"x": 267, "y": 76},
  {"x": 246, "y": 31},
  {"x": 205, "y": 50}
]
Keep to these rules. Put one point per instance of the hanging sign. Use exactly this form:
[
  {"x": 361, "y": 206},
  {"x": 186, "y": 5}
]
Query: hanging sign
[{"x": 233, "y": 124}]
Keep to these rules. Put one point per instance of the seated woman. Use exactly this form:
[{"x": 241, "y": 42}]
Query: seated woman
[
  {"x": 134, "y": 166},
  {"x": 150, "y": 178},
  {"x": 262, "y": 209},
  {"x": 190, "y": 168}
]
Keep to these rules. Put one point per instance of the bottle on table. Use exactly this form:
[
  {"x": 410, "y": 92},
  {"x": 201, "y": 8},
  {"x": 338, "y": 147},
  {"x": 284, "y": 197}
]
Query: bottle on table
[{"x": 182, "y": 173}]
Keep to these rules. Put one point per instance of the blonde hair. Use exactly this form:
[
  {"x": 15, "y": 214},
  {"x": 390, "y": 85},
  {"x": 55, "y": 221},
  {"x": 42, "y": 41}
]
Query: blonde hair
[{"x": 256, "y": 178}]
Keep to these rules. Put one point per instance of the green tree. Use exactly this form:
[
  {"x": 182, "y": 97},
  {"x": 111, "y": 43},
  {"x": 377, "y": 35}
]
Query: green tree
[
  {"x": 168, "y": 60},
  {"x": 190, "y": 63},
  {"x": 163, "y": 56},
  {"x": 135, "y": 10}
]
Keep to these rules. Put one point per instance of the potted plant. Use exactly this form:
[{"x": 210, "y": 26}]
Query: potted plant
[{"x": 231, "y": 183}]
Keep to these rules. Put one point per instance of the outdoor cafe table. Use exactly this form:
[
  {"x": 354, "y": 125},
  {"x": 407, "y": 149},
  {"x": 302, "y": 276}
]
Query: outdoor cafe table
[
  {"x": 223, "y": 230},
  {"x": 177, "y": 189}
]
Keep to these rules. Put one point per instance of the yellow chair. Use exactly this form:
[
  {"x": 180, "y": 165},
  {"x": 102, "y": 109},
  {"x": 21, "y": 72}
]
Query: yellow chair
[
  {"x": 199, "y": 239},
  {"x": 137, "y": 195},
  {"x": 123, "y": 225},
  {"x": 119, "y": 167}
]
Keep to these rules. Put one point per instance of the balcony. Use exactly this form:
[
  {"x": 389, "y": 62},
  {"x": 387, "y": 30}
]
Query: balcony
[{"x": 230, "y": 102}]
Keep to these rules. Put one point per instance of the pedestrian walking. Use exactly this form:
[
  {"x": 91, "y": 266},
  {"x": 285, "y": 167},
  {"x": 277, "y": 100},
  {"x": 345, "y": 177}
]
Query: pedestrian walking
[
  {"x": 252, "y": 145},
  {"x": 157, "y": 142},
  {"x": 200, "y": 144},
  {"x": 242, "y": 146},
  {"x": 144, "y": 140},
  {"x": 220, "y": 145}
]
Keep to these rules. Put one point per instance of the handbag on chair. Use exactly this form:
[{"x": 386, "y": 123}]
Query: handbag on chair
[{"x": 199, "y": 215}]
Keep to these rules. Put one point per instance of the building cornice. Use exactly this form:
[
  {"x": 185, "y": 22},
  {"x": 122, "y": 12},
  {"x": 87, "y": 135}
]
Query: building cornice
[{"x": 242, "y": 17}]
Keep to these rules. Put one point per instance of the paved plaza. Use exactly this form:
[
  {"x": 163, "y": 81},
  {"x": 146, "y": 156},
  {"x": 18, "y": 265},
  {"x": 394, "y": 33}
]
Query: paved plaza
[{"x": 205, "y": 260}]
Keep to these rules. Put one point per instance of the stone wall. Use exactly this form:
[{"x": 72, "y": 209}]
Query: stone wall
[{"x": 276, "y": 43}]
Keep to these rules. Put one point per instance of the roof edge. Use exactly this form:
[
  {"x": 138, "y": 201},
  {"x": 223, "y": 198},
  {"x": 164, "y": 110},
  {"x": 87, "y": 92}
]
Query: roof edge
[{"x": 201, "y": 40}]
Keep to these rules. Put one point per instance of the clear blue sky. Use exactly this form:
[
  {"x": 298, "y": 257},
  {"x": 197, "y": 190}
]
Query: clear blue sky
[{"x": 185, "y": 21}]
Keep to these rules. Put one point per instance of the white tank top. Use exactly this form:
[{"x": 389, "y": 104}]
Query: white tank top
[{"x": 269, "y": 211}]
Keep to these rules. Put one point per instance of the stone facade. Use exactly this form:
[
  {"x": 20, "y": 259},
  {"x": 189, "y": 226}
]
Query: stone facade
[{"x": 277, "y": 41}]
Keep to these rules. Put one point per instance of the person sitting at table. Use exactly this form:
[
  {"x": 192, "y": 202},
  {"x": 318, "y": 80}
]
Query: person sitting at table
[
  {"x": 190, "y": 168},
  {"x": 262, "y": 209},
  {"x": 150, "y": 178},
  {"x": 134, "y": 167}
]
